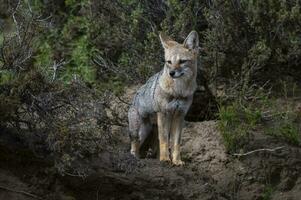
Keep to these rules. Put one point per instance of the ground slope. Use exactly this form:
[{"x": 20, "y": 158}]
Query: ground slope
[{"x": 209, "y": 173}]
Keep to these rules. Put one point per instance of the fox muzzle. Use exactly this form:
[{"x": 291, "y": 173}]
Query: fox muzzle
[{"x": 176, "y": 73}]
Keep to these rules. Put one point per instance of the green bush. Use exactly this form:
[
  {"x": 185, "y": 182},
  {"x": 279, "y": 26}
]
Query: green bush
[{"x": 257, "y": 40}]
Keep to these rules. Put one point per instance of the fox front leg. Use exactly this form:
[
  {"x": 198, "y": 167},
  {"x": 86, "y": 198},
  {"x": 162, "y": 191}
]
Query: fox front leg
[
  {"x": 163, "y": 130},
  {"x": 176, "y": 131}
]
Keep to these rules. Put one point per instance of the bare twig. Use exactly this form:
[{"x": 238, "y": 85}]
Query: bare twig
[
  {"x": 16, "y": 23},
  {"x": 20, "y": 192},
  {"x": 106, "y": 65},
  {"x": 83, "y": 176},
  {"x": 56, "y": 66},
  {"x": 39, "y": 19},
  {"x": 123, "y": 101},
  {"x": 257, "y": 150},
  {"x": 29, "y": 7}
]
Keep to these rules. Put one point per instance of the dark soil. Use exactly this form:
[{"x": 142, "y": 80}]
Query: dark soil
[{"x": 209, "y": 173}]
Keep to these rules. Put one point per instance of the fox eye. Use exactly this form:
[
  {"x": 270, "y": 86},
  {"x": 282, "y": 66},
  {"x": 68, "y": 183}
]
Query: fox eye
[
  {"x": 169, "y": 62},
  {"x": 183, "y": 61}
]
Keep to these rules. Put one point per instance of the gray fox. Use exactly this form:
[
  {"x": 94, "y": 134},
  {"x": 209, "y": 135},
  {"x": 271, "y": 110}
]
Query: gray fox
[{"x": 166, "y": 96}]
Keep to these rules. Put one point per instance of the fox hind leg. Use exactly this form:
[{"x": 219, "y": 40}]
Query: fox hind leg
[
  {"x": 140, "y": 128},
  {"x": 137, "y": 142},
  {"x": 144, "y": 130},
  {"x": 134, "y": 126}
]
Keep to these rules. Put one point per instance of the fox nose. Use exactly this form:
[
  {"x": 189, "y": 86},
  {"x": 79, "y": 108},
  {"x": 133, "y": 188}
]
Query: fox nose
[{"x": 172, "y": 73}]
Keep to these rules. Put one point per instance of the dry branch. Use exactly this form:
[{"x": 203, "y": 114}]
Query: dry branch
[
  {"x": 20, "y": 192},
  {"x": 257, "y": 150}
]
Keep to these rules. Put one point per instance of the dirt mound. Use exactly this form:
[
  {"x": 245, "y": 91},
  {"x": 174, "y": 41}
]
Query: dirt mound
[
  {"x": 209, "y": 173},
  {"x": 203, "y": 146},
  {"x": 259, "y": 175}
]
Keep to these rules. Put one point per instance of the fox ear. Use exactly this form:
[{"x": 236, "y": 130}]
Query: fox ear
[
  {"x": 165, "y": 40},
  {"x": 192, "y": 40}
]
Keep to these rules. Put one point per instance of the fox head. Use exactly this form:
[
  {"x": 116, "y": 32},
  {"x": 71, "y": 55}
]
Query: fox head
[{"x": 181, "y": 59}]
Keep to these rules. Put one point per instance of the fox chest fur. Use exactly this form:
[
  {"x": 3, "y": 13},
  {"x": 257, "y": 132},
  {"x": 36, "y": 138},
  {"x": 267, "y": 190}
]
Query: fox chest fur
[{"x": 163, "y": 94}]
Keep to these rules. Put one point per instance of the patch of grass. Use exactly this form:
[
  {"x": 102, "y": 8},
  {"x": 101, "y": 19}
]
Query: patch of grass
[
  {"x": 259, "y": 111},
  {"x": 1, "y": 44},
  {"x": 290, "y": 132},
  {"x": 114, "y": 85},
  {"x": 44, "y": 59},
  {"x": 1, "y": 38},
  {"x": 286, "y": 129},
  {"x": 267, "y": 193},
  {"x": 5, "y": 76},
  {"x": 236, "y": 123},
  {"x": 285, "y": 123}
]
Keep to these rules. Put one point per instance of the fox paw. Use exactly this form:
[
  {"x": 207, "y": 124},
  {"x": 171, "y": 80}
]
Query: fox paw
[
  {"x": 178, "y": 162},
  {"x": 164, "y": 159},
  {"x": 135, "y": 154}
]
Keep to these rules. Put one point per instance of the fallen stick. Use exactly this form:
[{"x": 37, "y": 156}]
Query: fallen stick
[
  {"x": 257, "y": 150},
  {"x": 20, "y": 192}
]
